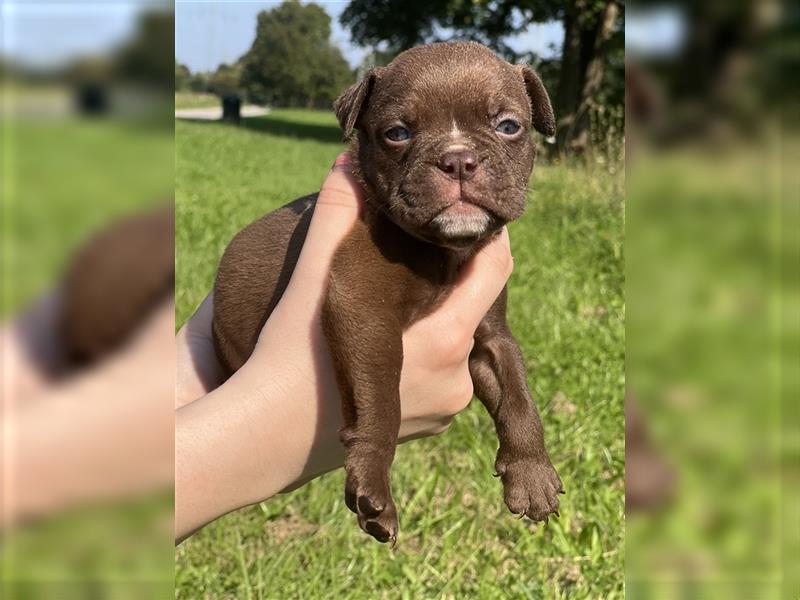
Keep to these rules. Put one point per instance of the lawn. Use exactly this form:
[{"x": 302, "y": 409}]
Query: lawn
[
  {"x": 457, "y": 539},
  {"x": 195, "y": 100},
  {"x": 65, "y": 179},
  {"x": 62, "y": 181},
  {"x": 713, "y": 335}
]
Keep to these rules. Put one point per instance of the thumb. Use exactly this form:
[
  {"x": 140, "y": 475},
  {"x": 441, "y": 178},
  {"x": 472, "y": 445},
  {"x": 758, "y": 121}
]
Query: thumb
[
  {"x": 482, "y": 279},
  {"x": 335, "y": 212}
]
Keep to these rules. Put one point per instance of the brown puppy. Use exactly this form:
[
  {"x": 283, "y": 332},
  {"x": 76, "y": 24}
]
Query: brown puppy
[
  {"x": 114, "y": 281},
  {"x": 443, "y": 155}
]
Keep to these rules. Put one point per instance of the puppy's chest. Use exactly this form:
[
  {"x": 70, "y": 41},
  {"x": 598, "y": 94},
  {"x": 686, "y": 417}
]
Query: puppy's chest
[
  {"x": 423, "y": 291},
  {"x": 396, "y": 275},
  {"x": 418, "y": 302}
]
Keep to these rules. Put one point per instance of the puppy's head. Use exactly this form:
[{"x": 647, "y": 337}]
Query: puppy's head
[{"x": 444, "y": 142}]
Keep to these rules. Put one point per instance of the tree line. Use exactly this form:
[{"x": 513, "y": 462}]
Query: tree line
[{"x": 292, "y": 61}]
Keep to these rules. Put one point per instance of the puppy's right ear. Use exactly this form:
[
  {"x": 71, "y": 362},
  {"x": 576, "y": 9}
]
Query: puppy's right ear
[{"x": 349, "y": 105}]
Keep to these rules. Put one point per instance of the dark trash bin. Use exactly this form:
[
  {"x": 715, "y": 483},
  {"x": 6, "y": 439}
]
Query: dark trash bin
[
  {"x": 231, "y": 108},
  {"x": 91, "y": 99}
]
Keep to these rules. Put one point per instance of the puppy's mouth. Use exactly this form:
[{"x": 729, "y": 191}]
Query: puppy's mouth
[{"x": 461, "y": 223}]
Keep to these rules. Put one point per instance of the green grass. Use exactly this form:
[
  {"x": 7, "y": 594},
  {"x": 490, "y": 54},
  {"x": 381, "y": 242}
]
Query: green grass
[
  {"x": 62, "y": 180},
  {"x": 712, "y": 357},
  {"x": 65, "y": 179},
  {"x": 457, "y": 539},
  {"x": 195, "y": 100}
]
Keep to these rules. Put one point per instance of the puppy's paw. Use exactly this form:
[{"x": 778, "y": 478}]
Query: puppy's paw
[
  {"x": 368, "y": 495},
  {"x": 531, "y": 487}
]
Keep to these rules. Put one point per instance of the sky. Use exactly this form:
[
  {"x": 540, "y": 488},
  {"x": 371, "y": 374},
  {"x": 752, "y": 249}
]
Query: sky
[
  {"x": 210, "y": 32},
  {"x": 42, "y": 33},
  {"x": 50, "y": 33},
  {"x": 654, "y": 31}
]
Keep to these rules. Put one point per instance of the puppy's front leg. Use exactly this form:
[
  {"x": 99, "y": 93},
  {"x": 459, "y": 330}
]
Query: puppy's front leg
[
  {"x": 365, "y": 341},
  {"x": 530, "y": 482}
]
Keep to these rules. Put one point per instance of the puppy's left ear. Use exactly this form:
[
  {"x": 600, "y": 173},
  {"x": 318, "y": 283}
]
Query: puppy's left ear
[
  {"x": 349, "y": 105},
  {"x": 544, "y": 120}
]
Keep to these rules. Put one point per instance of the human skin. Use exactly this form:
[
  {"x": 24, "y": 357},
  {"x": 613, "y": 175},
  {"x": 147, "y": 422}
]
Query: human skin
[
  {"x": 274, "y": 424},
  {"x": 104, "y": 433}
]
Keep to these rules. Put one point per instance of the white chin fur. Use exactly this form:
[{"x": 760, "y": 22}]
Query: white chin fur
[{"x": 461, "y": 226}]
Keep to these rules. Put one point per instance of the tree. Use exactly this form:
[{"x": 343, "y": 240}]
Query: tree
[
  {"x": 292, "y": 61},
  {"x": 588, "y": 29},
  {"x": 226, "y": 79},
  {"x": 143, "y": 59},
  {"x": 593, "y": 41},
  {"x": 198, "y": 82},
  {"x": 182, "y": 76}
]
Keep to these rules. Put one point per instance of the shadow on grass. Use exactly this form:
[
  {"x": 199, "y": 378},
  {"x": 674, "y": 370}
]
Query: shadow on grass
[{"x": 285, "y": 126}]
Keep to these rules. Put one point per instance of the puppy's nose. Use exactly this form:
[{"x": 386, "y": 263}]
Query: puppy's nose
[{"x": 460, "y": 165}]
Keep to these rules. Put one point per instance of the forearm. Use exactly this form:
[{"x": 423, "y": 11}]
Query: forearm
[
  {"x": 104, "y": 435},
  {"x": 275, "y": 424},
  {"x": 240, "y": 445}
]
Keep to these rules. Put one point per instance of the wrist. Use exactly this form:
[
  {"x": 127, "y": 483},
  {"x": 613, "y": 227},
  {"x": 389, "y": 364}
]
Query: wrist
[{"x": 259, "y": 434}]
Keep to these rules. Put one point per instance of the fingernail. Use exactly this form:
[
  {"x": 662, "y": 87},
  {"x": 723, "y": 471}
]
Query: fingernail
[{"x": 342, "y": 161}]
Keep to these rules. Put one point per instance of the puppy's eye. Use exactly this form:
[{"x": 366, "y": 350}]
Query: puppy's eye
[
  {"x": 508, "y": 127},
  {"x": 398, "y": 134}
]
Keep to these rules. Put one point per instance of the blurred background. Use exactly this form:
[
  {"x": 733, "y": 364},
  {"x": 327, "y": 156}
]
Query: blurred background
[
  {"x": 712, "y": 300},
  {"x": 87, "y": 312}
]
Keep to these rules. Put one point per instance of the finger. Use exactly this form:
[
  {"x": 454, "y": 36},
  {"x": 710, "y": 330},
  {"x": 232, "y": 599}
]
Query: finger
[
  {"x": 197, "y": 367},
  {"x": 340, "y": 188},
  {"x": 158, "y": 326},
  {"x": 200, "y": 320},
  {"x": 481, "y": 281},
  {"x": 335, "y": 212}
]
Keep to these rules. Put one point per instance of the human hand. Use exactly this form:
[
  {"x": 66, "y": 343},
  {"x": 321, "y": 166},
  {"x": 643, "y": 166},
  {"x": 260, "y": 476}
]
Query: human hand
[
  {"x": 274, "y": 424},
  {"x": 103, "y": 433},
  {"x": 33, "y": 354}
]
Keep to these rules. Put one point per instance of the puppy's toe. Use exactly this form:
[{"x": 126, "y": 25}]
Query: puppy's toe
[
  {"x": 366, "y": 494},
  {"x": 516, "y": 497},
  {"x": 541, "y": 506},
  {"x": 383, "y": 527},
  {"x": 370, "y": 505},
  {"x": 351, "y": 498}
]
